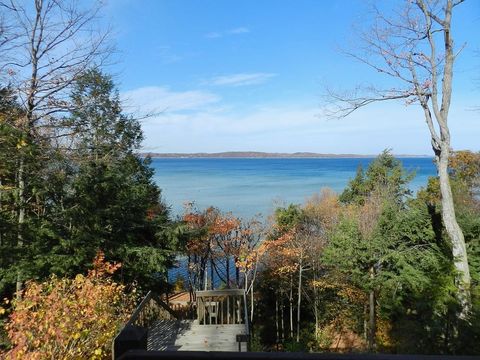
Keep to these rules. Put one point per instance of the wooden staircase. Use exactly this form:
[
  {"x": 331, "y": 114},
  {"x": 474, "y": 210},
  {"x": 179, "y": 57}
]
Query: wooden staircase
[
  {"x": 188, "y": 335},
  {"x": 220, "y": 325}
]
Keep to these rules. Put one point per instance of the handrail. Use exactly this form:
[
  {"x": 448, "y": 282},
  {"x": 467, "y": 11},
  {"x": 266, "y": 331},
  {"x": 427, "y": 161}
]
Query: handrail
[
  {"x": 164, "y": 305},
  {"x": 224, "y": 307},
  {"x": 150, "y": 295},
  {"x": 138, "y": 311},
  {"x": 223, "y": 292}
]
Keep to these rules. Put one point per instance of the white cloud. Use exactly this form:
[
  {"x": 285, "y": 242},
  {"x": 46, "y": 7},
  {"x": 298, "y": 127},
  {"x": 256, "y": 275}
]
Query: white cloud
[
  {"x": 239, "y": 30},
  {"x": 241, "y": 79},
  {"x": 234, "y": 31},
  {"x": 197, "y": 121},
  {"x": 297, "y": 127},
  {"x": 154, "y": 99}
]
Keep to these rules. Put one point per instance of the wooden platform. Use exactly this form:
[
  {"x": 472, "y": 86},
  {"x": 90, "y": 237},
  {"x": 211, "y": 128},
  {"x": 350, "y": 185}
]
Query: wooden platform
[{"x": 188, "y": 335}]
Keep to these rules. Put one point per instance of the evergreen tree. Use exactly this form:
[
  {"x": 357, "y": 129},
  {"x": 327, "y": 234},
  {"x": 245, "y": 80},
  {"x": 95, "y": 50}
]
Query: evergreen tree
[
  {"x": 385, "y": 174},
  {"x": 109, "y": 200},
  {"x": 17, "y": 145},
  {"x": 382, "y": 246}
]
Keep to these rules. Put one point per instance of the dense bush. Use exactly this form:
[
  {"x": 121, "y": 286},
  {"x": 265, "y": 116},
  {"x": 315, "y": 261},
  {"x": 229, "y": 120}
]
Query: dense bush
[{"x": 64, "y": 318}]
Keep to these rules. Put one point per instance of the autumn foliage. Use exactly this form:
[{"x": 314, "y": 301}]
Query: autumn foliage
[
  {"x": 69, "y": 318},
  {"x": 227, "y": 246}
]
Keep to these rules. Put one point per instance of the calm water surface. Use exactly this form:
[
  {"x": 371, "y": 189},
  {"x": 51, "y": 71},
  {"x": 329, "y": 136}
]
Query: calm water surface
[{"x": 256, "y": 186}]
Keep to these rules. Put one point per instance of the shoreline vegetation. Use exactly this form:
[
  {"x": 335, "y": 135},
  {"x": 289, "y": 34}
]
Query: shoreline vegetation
[{"x": 268, "y": 155}]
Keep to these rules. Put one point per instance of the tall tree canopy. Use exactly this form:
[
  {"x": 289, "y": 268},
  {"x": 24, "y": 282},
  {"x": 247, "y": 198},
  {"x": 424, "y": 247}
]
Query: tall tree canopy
[{"x": 413, "y": 47}]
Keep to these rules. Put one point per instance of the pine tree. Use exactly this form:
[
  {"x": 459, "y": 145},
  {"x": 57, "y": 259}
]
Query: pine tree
[{"x": 112, "y": 202}]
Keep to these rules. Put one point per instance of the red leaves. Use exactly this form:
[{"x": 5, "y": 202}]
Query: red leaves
[{"x": 102, "y": 267}]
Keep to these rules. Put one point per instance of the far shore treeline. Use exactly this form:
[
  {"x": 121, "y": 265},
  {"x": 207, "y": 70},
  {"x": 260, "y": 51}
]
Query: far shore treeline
[{"x": 266, "y": 155}]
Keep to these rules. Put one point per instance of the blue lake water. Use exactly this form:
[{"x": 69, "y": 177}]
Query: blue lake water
[{"x": 256, "y": 186}]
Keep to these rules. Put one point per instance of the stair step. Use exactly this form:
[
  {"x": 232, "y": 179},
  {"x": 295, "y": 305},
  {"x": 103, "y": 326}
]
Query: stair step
[{"x": 188, "y": 335}]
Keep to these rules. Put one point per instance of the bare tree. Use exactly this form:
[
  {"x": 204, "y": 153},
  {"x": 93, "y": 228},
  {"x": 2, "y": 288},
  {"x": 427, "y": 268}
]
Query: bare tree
[
  {"x": 50, "y": 43},
  {"x": 415, "y": 49},
  {"x": 54, "y": 42}
]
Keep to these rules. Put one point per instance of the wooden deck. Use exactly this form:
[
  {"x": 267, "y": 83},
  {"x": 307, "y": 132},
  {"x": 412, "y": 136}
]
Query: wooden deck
[
  {"x": 220, "y": 325},
  {"x": 188, "y": 335}
]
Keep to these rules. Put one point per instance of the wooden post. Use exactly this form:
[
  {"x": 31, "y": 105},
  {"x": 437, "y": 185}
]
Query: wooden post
[
  {"x": 221, "y": 310},
  {"x": 228, "y": 309}
]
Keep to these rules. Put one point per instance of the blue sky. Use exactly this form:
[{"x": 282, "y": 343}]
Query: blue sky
[{"x": 249, "y": 75}]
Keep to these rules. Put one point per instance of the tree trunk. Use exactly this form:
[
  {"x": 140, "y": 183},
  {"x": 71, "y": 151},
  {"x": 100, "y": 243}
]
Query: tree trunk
[
  {"x": 251, "y": 304},
  {"x": 276, "y": 322},
  {"x": 454, "y": 232},
  {"x": 372, "y": 316},
  {"x": 315, "y": 301},
  {"x": 237, "y": 275},
  {"x": 290, "y": 298},
  {"x": 299, "y": 300},
  {"x": 212, "y": 274},
  {"x": 365, "y": 321},
  {"x": 21, "y": 219},
  {"x": 282, "y": 319},
  {"x": 227, "y": 265}
]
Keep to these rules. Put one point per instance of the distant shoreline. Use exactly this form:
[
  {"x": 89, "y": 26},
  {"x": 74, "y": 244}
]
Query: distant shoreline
[{"x": 265, "y": 155}]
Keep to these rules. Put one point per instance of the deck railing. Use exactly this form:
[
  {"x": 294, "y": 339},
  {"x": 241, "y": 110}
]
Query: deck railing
[
  {"x": 221, "y": 307},
  {"x": 134, "y": 334},
  {"x": 151, "y": 308},
  {"x": 213, "y": 307}
]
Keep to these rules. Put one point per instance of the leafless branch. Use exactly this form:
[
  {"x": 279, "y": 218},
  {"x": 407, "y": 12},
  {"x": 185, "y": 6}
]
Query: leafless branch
[{"x": 54, "y": 42}]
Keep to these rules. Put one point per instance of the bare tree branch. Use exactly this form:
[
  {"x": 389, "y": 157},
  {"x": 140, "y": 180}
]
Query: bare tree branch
[
  {"x": 55, "y": 42},
  {"x": 414, "y": 47}
]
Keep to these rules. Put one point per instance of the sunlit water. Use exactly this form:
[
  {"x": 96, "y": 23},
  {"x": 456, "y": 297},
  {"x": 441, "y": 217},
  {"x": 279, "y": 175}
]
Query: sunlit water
[{"x": 256, "y": 186}]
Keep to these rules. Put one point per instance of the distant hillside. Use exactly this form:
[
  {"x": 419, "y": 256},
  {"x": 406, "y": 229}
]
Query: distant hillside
[{"x": 264, "y": 155}]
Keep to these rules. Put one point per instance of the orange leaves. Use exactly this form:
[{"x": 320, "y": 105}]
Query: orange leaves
[
  {"x": 102, "y": 267},
  {"x": 219, "y": 238},
  {"x": 281, "y": 255},
  {"x": 69, "y": 318},
  {"x": 211, "y": 220},
  {"x": 223, "y": 225},
  {"x": 218, "y": 234}
]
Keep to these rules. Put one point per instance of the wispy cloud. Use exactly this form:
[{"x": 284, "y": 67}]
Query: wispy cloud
[
  {"x": 167, "y": 56},
  {"x": 195, "y": 120},
  {"x": 213, "y": 35},
  {"x": 234, "y": 31},
  {"x": 241, "y": 79},
  {"x": 239, "y": 30},
  {"x": 154, "y": 99}
]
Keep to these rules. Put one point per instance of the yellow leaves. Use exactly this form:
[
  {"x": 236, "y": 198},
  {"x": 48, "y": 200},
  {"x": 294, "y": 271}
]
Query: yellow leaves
[
  {"x": 2, "y": 310},
  {"x": 287, "y": 269},
  {"x": 352, "y": 294},
  {"x": 68, "y": 318},
  {"x": 323, "y": 284},
  {"x": 22, "y": 143},
  {"x": 383, "y": 334},
  {"x": 465, "y": 165}
]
